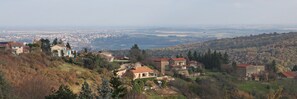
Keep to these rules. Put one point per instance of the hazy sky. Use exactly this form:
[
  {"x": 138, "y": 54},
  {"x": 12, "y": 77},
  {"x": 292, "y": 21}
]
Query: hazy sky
[{"x": 145, "y": 12}]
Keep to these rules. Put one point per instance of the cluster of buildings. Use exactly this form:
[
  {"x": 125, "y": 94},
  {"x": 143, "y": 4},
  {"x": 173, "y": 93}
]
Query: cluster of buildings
[
  {"x": 254, "y": 72},
  {"x": 162, "y": 65},
  {"x": 177, "y": 65},
  {"x": 14, "y": 47},
  {"x": 59, "y": 50}
]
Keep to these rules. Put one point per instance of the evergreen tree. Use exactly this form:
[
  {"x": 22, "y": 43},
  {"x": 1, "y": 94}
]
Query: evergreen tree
[
  {"x": 177, "y": 56},
  {"x": 234, "y": 65},
  {"x": 138, "y": 86},
  {"x": 190, "y": 56},
  {"x": 55, "y": 41},
  {"x": 68, "y": 45},
  {"x": 294, "y": 68},
  {"x": 4, "y": 88},
  {"x": 117, "y": 85},
  {"x": 273, "y": 66},
  {"x": 86, "y": 92},
  {"x": 45, "y": 46},
  {"x": 195, "y": 56},
  {"x": 63, "y": 93},
  {"x": 105, "y": 90},
  {"x": 135, "y": 54},
  {"x": 226, "y": 58}
]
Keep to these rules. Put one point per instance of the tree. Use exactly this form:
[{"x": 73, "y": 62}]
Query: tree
[
  {"x": 225, "y": 58},
  {"x": 294, "y": 68},
  {"x": 234, "y": 65},
  {"x": 63, "y": 93},
  {"x": 135, "y": 54},
  {"x": 55, "y": 41},
  {"x": 117, "y": 85},
  {"x": 273, "y": 66},
  {"x": 45, "y": 46},
  {"x": 86, "y": 92},
  {"x": 4, "y": 88},
  {"x": 68, "y": 45},
  {"x": 190, "y": 56},
  {"x": 138, "y": 86},
  {"x": 105, "y": 90},
  {"x": 60, "y": 41}
]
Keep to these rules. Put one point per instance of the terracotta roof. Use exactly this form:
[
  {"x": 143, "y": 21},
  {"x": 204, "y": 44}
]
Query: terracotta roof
[
  {"x": 289, "y": 74},
  {"x": 142, "y": 69},
  {"x": 3, "y": 44},
  {"x": 243, "y": 65},
  {"x": 179, "y": 59},
  {"x": 161, "y": 59},
  {"x": 15, "y": 44}
]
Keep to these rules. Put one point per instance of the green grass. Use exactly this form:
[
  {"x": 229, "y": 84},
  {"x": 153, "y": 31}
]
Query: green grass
[{"x": 259, "y": 87}]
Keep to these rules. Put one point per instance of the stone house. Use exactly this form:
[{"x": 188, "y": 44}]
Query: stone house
[
  {"x": 15, "y": 47},
  {"x": 177, "y": 62},
  {"x": 61, "y": 50},
  {"x": 161, "y": 64},
  {"x": 247, "y": 71}
]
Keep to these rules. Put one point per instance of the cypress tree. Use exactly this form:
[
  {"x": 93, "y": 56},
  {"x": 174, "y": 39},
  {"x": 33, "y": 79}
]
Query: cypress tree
[
  {"x": 105, "y": 90},
  {"x": 64, "y": 92},
  {"x": 190, "y": 56},
  {"x": 117, "y": 85},
  {"x": 55, "y": 41},
  {"x": 4, "y": 88},
  {"x": 86, "y": 92}
]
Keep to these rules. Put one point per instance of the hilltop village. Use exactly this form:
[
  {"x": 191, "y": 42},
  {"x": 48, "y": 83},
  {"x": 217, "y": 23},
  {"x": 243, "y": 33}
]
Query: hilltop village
[{"x": 139, "y": 75}]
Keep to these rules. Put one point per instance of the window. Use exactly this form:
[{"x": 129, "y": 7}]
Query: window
[{"x": 143, "y": 75}]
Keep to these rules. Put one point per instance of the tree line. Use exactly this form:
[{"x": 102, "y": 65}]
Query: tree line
[{"x": 211, "y": 59}]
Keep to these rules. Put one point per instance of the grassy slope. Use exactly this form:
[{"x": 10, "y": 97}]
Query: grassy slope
[{"x": 20, "y": 69}]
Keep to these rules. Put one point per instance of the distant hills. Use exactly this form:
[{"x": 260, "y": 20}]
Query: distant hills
[{"x": 253, "y": 49}]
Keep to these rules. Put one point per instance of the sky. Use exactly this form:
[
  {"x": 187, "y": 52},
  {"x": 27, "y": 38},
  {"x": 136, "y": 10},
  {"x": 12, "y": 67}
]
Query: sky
[{"x": 146, "y": 12}]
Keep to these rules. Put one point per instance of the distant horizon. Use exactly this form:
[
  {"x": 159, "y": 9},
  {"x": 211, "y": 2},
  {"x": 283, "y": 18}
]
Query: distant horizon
[
  {"x": 145, "y": 12},
  {"x": 146, "y": 26}
]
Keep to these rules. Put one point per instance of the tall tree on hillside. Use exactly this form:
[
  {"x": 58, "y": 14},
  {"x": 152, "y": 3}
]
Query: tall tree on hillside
[
  {"x": 195, "y": 56},
  {"x": 294, "y": 68},
  {"x": 273, "y": 66},
  {"x": 135, "y": 54},
  {"x": 4, "y": 88},
  {"x": 64, "y": 92},
  {"x": 68, "y": 45},
  {"x": 105, "y": 91},
  {"x": 86, "y": 92},
  {"x": 225, "y": 58},
  {"x": 118, "y": 88},
  {"x": 55, "y": 41},
  {"x": 45, "y": 46},
  {"x": 189, "y": 55}
]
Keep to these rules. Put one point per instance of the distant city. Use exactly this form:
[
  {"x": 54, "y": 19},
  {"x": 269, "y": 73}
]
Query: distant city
[{"x": 124, "y": 37}]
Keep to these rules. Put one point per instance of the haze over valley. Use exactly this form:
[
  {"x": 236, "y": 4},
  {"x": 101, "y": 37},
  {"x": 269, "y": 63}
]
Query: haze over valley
[{"x": 118, "y": 38}]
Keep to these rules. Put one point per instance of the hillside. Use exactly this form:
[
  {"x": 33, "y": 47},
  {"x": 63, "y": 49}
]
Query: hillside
[
  {"x": 30, "y": 74},
  {"x": 259, "y": 49}
]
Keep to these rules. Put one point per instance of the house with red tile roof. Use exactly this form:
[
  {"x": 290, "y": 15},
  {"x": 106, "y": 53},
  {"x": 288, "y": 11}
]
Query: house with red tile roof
[
  {"x": 177, "y": 62},
  {"x": 289, "y": 74},
  {"x": 246, "y": 71},
  {"x": 143, "y": 72}
]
